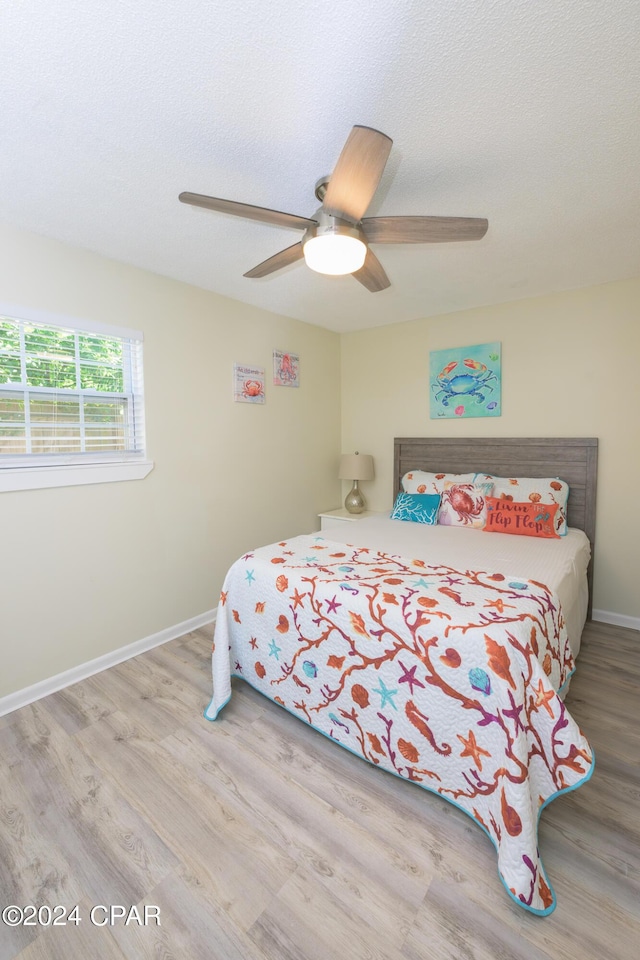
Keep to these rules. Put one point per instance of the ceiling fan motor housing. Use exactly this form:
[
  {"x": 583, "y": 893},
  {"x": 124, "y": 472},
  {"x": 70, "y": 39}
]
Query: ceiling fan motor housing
[{"x": 326, "y": 224}]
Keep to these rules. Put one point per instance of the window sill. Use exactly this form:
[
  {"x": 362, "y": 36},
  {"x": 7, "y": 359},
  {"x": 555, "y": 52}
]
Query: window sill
[{"x": 36, "y": 478}]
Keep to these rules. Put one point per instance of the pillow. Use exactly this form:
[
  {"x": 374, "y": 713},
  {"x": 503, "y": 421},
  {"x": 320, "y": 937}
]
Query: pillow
[
  {"x": 526, "y": 519},
  {"x": 549, "y": 490},
  {"x": 419, "y": 507},
  {"x": 417, "y": 481},
  {"x": 464, "y": 504}
]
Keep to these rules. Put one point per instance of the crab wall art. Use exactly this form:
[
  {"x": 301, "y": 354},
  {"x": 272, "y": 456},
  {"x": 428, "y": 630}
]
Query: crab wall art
[
  {"x": 248, "y": 383},
  {"x": 465, "y": 381}
]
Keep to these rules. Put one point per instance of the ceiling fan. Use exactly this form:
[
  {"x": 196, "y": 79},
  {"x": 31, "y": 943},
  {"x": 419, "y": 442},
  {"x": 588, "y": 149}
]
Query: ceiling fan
[{"x": 337, "y": 237}]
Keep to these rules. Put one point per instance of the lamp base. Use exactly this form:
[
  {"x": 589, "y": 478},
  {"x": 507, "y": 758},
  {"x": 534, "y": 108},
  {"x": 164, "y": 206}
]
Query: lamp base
[{"x": 354, "y": 501}]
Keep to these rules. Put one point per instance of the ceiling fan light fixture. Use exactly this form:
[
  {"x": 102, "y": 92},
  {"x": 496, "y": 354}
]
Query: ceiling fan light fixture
[{"x": 335, "y": 250}]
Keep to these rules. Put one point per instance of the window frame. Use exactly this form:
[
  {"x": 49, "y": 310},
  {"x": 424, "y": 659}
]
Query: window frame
[{"x": 72, "y": 469}]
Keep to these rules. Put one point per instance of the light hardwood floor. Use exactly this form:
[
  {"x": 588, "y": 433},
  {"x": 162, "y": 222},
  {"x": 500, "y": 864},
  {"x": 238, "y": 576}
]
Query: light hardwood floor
[{"x": 258, "y": 838}]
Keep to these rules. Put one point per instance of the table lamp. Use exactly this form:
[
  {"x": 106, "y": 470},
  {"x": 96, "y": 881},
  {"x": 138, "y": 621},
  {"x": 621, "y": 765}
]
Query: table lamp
[{"x": 355, "y": 466}]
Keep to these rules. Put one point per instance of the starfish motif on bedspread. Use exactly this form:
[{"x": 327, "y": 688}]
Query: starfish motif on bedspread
[
  {"x": 298, "y": 599},
  {"x": 409, "y": 676},
  {"x": 274, "y": 650},
  {"x": 472, "y": 749},
  {"x": 544, "y": 698},
  {"x": 332, "y": 605},
  {"x": 386, "y": 695},
  {"x": 500, "y": 605}
]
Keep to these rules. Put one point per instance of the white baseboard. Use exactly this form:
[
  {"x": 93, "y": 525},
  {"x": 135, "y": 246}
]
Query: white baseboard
[
  {"x": 43, "y": 688},
  {"x": 618, "y": 619}
]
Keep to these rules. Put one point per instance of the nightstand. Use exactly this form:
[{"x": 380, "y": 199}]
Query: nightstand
[{"x": 336, "y": 518}]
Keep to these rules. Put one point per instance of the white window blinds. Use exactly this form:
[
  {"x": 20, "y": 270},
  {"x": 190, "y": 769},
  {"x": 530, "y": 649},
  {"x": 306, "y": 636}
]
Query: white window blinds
[{"x": 68, "y": 395}]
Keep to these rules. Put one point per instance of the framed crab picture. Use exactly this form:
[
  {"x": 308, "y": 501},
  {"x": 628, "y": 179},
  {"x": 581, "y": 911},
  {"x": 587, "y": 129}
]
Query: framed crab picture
[
  {"x": 465, "y": 382},
  {"x": 248, "y": 383}
]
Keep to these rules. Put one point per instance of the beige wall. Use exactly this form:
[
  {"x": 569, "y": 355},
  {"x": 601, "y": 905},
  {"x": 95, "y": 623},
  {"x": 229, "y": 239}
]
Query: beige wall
[
  {"x": 85, "y": 570},
  {"x": 571, "y": 367}
]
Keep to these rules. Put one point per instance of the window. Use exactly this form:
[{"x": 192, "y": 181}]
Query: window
[{"x": 70, "y": 397}]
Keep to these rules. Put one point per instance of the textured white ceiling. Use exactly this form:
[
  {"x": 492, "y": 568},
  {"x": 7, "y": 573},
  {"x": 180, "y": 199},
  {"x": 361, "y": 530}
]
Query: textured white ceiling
[{"x": 522, "y": 111}]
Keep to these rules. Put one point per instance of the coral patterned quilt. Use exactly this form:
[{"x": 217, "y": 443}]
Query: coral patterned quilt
[{"x": 444, "y": 677}]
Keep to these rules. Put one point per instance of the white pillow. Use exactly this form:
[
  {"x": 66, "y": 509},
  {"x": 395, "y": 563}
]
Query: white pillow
[{"x": 418, "y": 481}]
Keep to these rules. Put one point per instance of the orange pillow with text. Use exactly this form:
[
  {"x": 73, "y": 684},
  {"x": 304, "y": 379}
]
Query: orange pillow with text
[{"x": 523, "y": 519}]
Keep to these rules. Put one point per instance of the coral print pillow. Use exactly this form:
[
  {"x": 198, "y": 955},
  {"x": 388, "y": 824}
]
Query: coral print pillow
[
  {"x": 526, "y": 519},
  {"x": 534, "y": 490},
  {"x": 464, "y": 504},
  {"x": 418, "y": 481},
  {"x": 418, "y": 507}
]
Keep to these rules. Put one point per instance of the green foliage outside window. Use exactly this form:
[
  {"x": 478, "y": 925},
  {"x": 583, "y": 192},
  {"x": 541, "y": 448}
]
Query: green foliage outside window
[{"x": 50, "y": 359}]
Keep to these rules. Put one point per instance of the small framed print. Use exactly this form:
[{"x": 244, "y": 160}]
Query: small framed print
[
  {"x": 286, "y": 369},
  {"x": 248, "y": 383}
]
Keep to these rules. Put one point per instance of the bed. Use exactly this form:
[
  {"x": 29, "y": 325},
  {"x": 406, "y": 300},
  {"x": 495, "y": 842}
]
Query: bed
[{"x": 439, "y": 654}]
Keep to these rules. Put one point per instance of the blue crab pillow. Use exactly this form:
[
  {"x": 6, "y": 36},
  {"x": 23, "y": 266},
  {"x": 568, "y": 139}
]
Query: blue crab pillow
[{"x": 418, "y": 507}]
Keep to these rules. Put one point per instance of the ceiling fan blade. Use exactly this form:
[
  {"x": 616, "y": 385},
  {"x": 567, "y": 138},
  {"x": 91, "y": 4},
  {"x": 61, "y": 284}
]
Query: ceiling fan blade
[
  {"x": 423, "y": 229},
  {"x": 357, "y": 173},
  {"x": 277, "y": 261},
  {"x": 371, "y": 275},
  {"x": 247, "y": 210}
]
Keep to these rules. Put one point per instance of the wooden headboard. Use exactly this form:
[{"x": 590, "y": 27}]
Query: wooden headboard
[{"x": 574, "y": 459}]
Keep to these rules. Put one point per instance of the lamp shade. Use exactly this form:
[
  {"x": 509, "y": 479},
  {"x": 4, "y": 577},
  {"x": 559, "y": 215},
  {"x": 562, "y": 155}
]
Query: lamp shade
[{"x": 356, "y": 466}]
